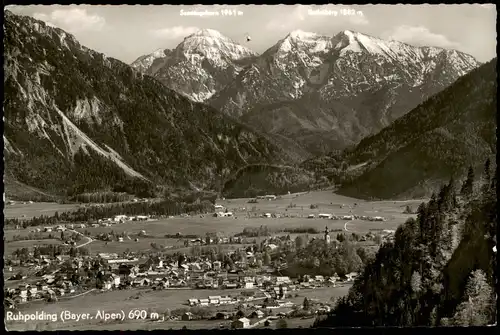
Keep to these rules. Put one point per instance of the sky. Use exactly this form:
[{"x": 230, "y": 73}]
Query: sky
[{"x": 127, "y": 32}]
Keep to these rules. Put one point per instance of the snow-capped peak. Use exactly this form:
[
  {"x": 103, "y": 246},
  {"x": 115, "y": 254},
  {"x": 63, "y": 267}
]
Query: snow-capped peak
[
  {"x": 213, "y": 45},
  {"x": 208, "y": 33},
  {"x": 302, "y": 35},
  {"x": 303, "y": 41}
]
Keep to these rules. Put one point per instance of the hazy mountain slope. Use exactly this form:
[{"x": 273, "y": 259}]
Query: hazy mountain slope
[
  {"x": 201, "y": 65},
  {"x": 329, "y": 92},
  {"x": 439, "y": 138},
  {"x": 78, "y": 121},
  {"x": 254, "y": 180}
]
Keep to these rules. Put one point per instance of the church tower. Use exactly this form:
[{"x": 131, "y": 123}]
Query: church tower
[{"x": 327, "y": 236}]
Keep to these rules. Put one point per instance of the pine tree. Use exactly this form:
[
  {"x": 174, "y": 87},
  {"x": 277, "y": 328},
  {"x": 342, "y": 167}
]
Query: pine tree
[
  {"x": 477, "y": 307},
  {"x": 468, "y": 184},
  {"x": 422, "y": 217},
  {"x": 487, "y": 172},
  {"x": 306, "y": 305}
]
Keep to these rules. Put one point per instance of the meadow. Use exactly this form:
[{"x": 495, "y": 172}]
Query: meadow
[
  {"x": 245, "y": 215},
  {"x": 27, "y": 210}
]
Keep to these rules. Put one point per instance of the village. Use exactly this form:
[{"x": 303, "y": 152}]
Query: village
[{"x": 251, "y": 267}]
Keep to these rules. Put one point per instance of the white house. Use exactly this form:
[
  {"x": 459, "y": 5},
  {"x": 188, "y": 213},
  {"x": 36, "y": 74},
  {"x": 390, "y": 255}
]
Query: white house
[
  {"x": 241, "y": 323},
  {"x": 214, "y": 299},
  {"x": 204, "y": 302},
  {"x": 267, "y": 215},
  {"x": 325, "y": 216},
  {"x": 311, "y": 216},
  {"x": 347, "y": 217},
  {"x": 283, "y": 280},
  {"x": 219, "y": 207}
]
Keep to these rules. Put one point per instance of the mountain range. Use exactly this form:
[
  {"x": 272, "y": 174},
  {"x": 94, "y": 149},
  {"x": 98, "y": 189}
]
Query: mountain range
[
  {"x": 310, "y": 93},
  {"x": 77, "y": 121}
]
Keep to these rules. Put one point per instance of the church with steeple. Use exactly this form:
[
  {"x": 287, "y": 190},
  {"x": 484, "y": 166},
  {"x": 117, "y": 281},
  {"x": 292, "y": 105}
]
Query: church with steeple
[{"x": 327, "y": 235}]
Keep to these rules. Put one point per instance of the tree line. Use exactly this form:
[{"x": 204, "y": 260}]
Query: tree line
[
  {"x": 159, "y": 208},
  {"x": 440, "y": 269}
]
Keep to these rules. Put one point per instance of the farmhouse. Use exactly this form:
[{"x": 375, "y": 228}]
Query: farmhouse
[
  {"x": 241, "y": 323},
  {"x": 224, "y": 300},
  {"x": 257, "y": 314},
  {"x": 188, "y": 316},
  {"x": 214, "y": 299},
  {"x": 219, "y": 207},
  {"x": 351, "y": 276},
  {"x": 347, "y": 217},
  {"x": 311, "y": 216},
  {"x": 193, "y": 302},
  {"x": 325, "y": 216}
]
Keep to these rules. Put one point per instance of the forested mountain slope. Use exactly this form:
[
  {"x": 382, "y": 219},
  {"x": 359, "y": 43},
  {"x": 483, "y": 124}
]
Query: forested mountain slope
[
  {"x": 440, "y": 138},
  {"x": 77, "y": 121},
  {"x": 440, "y": 270}
]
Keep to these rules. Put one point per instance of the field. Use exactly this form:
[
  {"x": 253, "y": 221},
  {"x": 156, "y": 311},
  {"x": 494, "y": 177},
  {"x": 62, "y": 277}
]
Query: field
[
  {"x": 155, "y": 301},
  {"x": 326, "y": 201},
  {"x": 246, "y": 215},
  {"x": 36, "y": 209},
  {"x": 12, "y": 246}
]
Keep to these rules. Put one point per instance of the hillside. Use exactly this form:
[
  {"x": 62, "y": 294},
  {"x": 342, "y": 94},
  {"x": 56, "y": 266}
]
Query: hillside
[
  {"x": 439, "y": 139},
  {"x": 440, "y": 270},
  {"x": 254, "y": 180},
  {"x": 77, "y": 121}
]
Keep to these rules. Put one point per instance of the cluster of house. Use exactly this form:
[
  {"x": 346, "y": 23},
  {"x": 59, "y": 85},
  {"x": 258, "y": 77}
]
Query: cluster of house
[
  {"x": 347, "y": 217},
  {"x": 268, "y": 197}
]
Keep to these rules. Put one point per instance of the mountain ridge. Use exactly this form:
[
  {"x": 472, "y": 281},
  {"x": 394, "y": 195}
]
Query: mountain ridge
[{"x": 72, "y": 111}]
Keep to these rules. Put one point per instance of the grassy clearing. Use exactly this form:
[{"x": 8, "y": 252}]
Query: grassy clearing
[
  {"x": 36, "y": 209},
  {"x": 12, "y": 246}
]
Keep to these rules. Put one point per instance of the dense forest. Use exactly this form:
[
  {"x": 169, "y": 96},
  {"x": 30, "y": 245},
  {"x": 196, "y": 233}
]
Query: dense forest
[
  {"x": 261, "y": 179},
  {"x": 440, "y": 270}
]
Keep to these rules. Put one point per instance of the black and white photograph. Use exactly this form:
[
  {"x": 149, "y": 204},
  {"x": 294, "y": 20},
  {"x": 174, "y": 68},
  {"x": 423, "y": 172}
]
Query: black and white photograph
[{"x": 230, "y": 167}]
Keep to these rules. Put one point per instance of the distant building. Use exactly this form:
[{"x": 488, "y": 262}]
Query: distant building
[
  {"x": 257, "y": 314},
  {"x": 193, "y": 302},
  {"x": 188, "y": 316},
  {"x": 327, "y": 236},
  {"x": 241, "y": 323}
]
